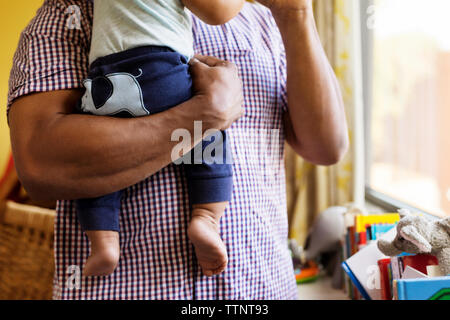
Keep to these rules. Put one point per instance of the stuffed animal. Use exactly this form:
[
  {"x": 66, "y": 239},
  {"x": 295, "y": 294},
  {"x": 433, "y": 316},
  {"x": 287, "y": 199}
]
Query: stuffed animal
[
  {"x": 417, "y": 234},
  {"x": 326, "y": 233},
  {"x": 324, "y": 242}
]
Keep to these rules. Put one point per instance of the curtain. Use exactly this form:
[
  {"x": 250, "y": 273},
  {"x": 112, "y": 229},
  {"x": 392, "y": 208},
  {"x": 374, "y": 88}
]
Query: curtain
[{"x": 312, "y": 189}]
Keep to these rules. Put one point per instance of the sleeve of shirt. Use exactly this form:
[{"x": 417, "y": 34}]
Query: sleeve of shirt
[
  {"x": 53, "y": 49},
  {"x": 283, "y": 78},
  {"x": 282, "y": 63}
]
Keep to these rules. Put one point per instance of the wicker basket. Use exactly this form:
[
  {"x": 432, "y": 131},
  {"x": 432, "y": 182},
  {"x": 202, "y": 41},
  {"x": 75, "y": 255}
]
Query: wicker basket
[{"x": 26, "y": 252}]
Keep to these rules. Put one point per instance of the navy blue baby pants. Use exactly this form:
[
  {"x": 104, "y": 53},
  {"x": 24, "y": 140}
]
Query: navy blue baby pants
[{"x": 140, "y": 82}]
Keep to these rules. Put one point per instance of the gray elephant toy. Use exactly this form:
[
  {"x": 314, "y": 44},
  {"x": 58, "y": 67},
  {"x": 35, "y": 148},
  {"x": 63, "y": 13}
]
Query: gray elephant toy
[{"x": 417, "y": 234}]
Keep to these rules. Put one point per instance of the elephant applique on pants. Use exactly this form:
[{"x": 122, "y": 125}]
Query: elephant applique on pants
[{"x": 113, "y": 94}]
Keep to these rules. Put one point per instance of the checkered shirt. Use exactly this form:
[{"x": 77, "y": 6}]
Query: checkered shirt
[{"x": 157, "y": 259}]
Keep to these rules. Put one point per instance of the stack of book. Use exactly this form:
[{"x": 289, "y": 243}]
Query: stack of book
[
  {"x": 362, "y": 232},
  {"x": 373, "y": 276}
]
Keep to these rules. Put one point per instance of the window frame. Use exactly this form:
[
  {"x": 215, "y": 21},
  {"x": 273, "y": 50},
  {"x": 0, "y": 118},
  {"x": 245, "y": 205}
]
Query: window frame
[{"x": 373, "y": 196}]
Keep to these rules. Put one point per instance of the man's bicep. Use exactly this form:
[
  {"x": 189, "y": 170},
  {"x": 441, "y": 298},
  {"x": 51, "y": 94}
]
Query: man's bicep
[
  {"x": 30, "y": 117},
  {"x": 33, "y": 109}
]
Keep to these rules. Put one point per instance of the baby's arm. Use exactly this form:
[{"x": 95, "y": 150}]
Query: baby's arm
[{"x": 214, "y": 12}]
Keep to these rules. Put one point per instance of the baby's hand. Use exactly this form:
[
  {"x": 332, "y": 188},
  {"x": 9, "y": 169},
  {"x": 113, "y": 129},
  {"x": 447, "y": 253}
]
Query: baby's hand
[
  {"x": 215, "y": 12},
  {"x": 287, "y": 4}
]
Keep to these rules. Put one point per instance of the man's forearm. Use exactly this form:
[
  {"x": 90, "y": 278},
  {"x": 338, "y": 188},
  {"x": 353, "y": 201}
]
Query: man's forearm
[
  {"x": 316, "y": 110},
  {"x": 61, "y": 155},
  {"x": 77, "y": 156}
]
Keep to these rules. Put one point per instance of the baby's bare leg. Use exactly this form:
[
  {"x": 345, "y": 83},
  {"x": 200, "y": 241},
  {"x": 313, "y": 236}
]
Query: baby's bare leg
[
  {"x": 105, "y": 253},
  {"x": 203, "y": 231}
]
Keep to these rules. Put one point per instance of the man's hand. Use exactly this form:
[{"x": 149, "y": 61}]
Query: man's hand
[{"x": 218, "y": 84}]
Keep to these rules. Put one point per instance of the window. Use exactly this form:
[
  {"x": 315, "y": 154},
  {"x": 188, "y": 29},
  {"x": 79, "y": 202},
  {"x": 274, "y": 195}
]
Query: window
[{"x": 406, "y": 55}]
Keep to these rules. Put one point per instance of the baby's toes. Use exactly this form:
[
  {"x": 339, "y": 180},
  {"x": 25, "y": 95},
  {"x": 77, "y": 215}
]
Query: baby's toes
[
  {"x": 208, "y": 272},
  {"x": 214, "y": 270},
  {"x": 221, "y": 268}
]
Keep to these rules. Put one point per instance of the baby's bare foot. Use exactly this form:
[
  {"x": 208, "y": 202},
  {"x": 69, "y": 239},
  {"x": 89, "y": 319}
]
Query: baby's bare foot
[
  {"x": 210, "y": 250},
  {"x": 105, "y": 253}
]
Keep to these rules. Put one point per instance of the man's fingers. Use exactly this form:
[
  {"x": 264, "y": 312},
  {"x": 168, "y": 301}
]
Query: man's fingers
[
  {"x": 193, "y": 61},
  {"x": 208, "y": 60},
  {"x": 211, "y": 61},
  {"x": 197, "y": 67},
  {"x": 219, "y": 81}
]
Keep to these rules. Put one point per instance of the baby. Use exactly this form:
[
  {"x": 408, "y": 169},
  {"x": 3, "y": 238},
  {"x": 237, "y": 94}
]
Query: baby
[{"x": 139, "y": 66}]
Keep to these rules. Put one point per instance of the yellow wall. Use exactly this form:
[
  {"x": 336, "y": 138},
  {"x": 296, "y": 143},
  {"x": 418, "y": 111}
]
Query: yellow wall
[{"x": 14, "y": 16}]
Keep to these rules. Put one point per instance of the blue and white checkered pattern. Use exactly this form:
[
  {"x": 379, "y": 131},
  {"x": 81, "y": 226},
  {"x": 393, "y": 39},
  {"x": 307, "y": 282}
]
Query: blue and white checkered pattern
[{"x": 157, "y": 260}]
